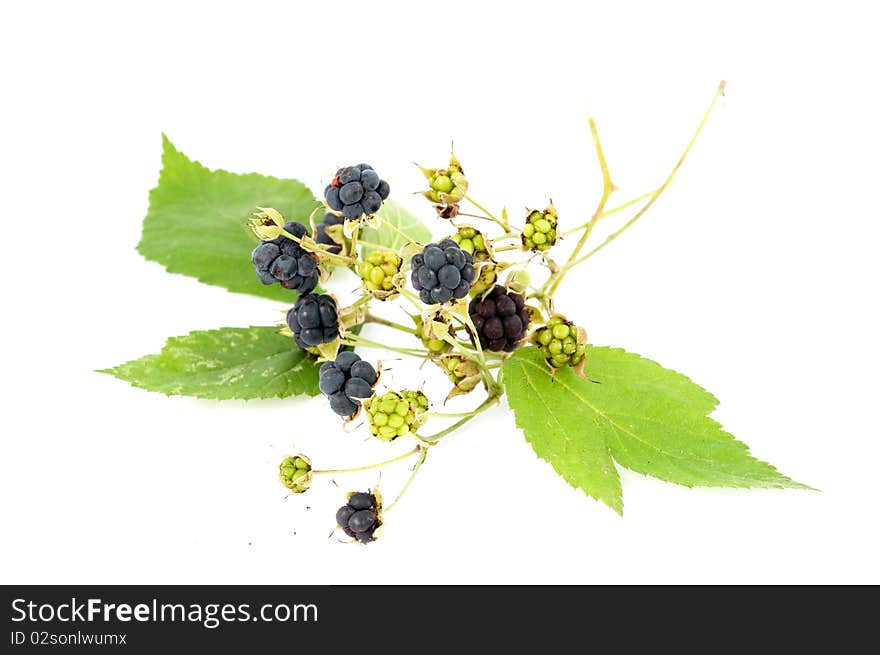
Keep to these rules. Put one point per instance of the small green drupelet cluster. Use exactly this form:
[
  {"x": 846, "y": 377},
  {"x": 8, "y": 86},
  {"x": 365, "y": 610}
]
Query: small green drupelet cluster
[
  {"x": 560, "y": 343},
  {"x": 463, "y": 372},
  {"x": 380, "y": 272},
  {"x": 435, "y": 346},
  {"x": 472, "y": 240},
  {"x": 539, "y": 232},
  {"x": 295, "y": 473},
  {"x": 395, "y": 414}
]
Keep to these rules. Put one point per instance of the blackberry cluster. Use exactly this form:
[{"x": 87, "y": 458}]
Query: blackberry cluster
[
  {"x": 539, "y": 232},
  {"x": 359, "y": 517},
  {"x": 395, "y": 414},
  {"x": 313, "y": 320},
  {"x": 355, "y": 191},
  {"x": 295, "y": 473},
  {"x": 283, "y": 260},
  {"x": 442, "y": 271},
  {"x": 346, "y": 381},
  {"x": 500, "y": 318},
  {"x": 321, "y": 235},
  {"x": 560, "y": 343}
]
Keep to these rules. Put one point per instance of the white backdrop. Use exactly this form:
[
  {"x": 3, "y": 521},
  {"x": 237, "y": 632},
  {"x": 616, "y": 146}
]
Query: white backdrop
[{"x": 755, "y": 274}]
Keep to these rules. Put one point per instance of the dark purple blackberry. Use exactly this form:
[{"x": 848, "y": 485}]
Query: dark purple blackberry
[
  {"x": 500, "y": 318},
  {"x": 346, "y": 381},
  {"x": 282, "y": 260},
  {"x": 441, "y": 272},
  {"x": 355, "y": 191},
  {"x": 359, "y": 517},
  {"x": 313, "y": 320}
]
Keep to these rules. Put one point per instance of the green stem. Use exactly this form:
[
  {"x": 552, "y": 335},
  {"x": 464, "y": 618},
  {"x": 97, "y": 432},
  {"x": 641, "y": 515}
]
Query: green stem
[
  {"x": 491, "y": 400},
  {"x": 355, "y": 340},
  {"x": 409, "y": 453},
  {"x": 372, "y": 318},
  {"x": 363, "y": 300},
  {"x": 574, "y": 262},
  {"x": 332, "y": 257},
  {"x": 412, "y": 477},
  {"x": 514, "y": 246},
  {"x": 613, "y": 210},
  {"x": 414, "y": 299},
  {"x": 487, "y": 213},
  {"x": 608, "y": 188}
]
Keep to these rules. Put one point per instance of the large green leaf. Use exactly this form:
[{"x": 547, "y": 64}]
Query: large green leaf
[
  {"x": 398, "y": 228},
  {"x": 633, "y": 411},
  {"x": 240, "y": 363},
  {"x": 197, "y": 221}
]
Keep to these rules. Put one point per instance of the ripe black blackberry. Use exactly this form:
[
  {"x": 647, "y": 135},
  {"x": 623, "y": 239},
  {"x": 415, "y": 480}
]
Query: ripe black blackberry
[
  {"x": 321, "y": 235},
  {"x": 359, "y": 517},
  {"x": 441, "y": 272},
  {"x": 355, "y": 191},
  {"x": 313, "y": 320},
  {"x": 283, "y": 260},
  {"x": 501, "y": 319},
  {"x": 346, "y": 381}
]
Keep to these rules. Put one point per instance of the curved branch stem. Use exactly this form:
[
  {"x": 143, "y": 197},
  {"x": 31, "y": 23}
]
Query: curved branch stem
[
  {"x": 574, "y": 262},
  {"x": 368, "y": 467},
  {"x": 418, "y": 465}
]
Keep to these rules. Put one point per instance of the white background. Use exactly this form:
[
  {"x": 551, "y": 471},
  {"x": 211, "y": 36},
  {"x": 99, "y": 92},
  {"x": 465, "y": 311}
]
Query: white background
[{"x": 755, "y": 274}]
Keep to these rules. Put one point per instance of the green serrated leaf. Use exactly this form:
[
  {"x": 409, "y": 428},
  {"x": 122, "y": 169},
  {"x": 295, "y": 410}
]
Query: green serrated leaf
[
  {"x": 197, "y": 221},
  {"x": 633, "y": 411},
  {"x": 224, "y": 364},
  {"x": 398, "y": 228}
]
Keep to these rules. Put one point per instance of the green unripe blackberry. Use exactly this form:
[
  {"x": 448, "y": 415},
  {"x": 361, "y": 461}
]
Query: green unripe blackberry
[
  {"x": 487, "y": 277},
  {"x": 435, "y": 346},
  {"x": 395, "y": 414},
  {"x": 295, "y": 473},
  {"x": 446, "y": 186},
  {"x": 539, "y": 232},
  {"x": 463, "y": 372},
  {"x": 561, "y": 342},
  {"x": 473, "y": 241},
  {"x": 380, "y": 272}
]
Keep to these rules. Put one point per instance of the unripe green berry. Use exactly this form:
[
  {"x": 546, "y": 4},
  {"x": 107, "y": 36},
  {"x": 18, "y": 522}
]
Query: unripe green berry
[
  {"x": 487, "y": 277},
  {"x": 434, "y": 346},
  {"x": 295, "y": 473},
  {"x": 442, "y": 183},
  {"x": 464, "y": 373},
  {"x": 472, "y": 240},
  {"x": 395, "y": 414},
  {"x": 561, "y": 343},
  {"x": 539, "y": 233},
  {"x": 445, "y": 186},
  {"x": 380, "y": 272}
]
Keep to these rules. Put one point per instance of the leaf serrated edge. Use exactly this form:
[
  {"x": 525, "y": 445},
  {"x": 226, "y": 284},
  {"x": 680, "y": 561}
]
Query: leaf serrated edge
[
  {"x": 782, "y": 482},
  {"x": 169, "y": 150},
  {"x": 617, "y": 505}
]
